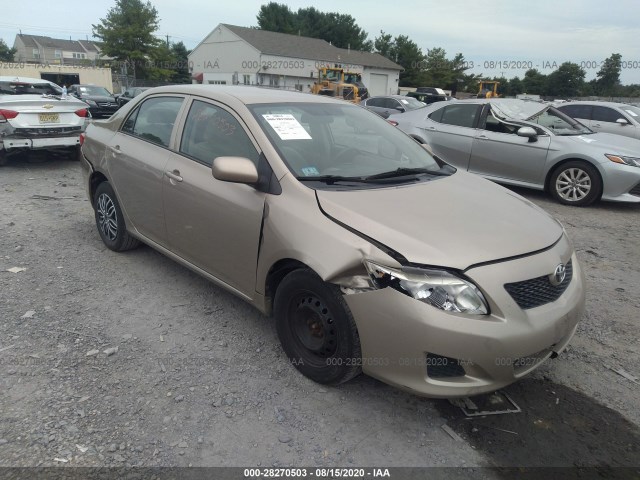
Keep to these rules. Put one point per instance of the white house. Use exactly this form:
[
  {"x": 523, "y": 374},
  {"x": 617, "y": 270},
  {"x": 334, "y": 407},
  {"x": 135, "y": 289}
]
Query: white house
[{"x": 240, "y": 55}]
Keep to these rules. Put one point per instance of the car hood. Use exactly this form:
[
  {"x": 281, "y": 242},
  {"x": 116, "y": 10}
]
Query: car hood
[
  {"x": 608, "y": 143},
  {"x": 455, "y": 222}
]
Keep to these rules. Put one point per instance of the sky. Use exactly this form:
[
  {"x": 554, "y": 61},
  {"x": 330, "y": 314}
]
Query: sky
[{"x": 496, "y": 37}]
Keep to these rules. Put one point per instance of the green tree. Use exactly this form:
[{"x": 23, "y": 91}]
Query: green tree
[
  {"x": 515, "y": 86},
  {"x": 338, "y": 28},
  {"x": 405, "y": 53},
  {"x": 534, "y": 82},
  {"x": 181, "y": 66},
  {"x": 277, "y": 17},
  {"x": 566, "y": 81},
  {"x": 127, "y": 34},
  {"x": 608, "y": 77},
  {"x": 6, "y": 54}
]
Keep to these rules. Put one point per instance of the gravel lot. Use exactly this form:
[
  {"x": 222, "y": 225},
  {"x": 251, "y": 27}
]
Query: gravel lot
[{"x": 199, "y": 378}]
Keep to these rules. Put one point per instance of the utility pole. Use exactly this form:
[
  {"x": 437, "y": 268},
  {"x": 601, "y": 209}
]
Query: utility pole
[{"x": 167, "y": 41}]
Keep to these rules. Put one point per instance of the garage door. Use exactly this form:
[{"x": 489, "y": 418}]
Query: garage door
[{"x": 378, "y": 84}]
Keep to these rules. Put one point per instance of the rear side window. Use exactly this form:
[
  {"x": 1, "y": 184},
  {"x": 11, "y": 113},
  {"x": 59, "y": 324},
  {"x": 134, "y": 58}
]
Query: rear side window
[
  {"x": 577, "y": 111},
  {"x": 212, "y": 132},
  {"x": 437, "y": 115},
  {"x": 154, "y": 120},
  {"x": 460, "y": 115},
  {"x": 605, "y": 114}
]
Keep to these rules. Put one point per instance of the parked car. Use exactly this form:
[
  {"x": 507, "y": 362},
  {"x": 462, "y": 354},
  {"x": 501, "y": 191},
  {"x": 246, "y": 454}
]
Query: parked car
[
  {"x": 529, "y": 144},
  {"x": 606, "y": 117},
  {"x": 34, "y": 115},
  {"x": 386, "y": 105},
  {"x": 428, "y": 98},
  {"x": 129, "y": 94},
  {"x": 102, "y": 103},
  {"x": 371, "y": 254}
]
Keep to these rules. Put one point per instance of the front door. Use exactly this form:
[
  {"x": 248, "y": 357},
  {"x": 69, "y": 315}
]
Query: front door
[{"x": 213, "y": 224}]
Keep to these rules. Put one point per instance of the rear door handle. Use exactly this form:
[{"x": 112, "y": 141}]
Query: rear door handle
[
  {"x": 116, "y": 149},
  {"x": 597, "y": 125},
  {"x": 482, "y": 137},
  {"x": 431, "y": 128},
  {"x": 174, "y": 175}
]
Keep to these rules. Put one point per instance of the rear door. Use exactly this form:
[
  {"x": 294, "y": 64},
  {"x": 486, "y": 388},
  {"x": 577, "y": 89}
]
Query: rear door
[
  {"x": 500, "y": 153},
  {"x": 450, "y": 132},
  {"x": 138, "y": 154},
  {"x": 213, "y": 224},
  {"x": 580, "y": 112}
]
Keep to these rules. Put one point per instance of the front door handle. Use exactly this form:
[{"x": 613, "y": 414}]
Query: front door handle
[
  {"x": 174, "y": 175},
  {"x": 431, "y": 128},
  {"x": 482, "y": 137},
  {"x": 116, "y": 149},
  {"x": 597, "y": 125}
]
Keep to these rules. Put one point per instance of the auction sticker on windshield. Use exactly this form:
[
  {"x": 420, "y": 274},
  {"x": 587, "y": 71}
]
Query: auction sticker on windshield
[{"x": 287, "y": 127}]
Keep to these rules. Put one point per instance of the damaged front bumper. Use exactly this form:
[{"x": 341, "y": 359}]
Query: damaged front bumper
[{"x": 430, "y": 352}]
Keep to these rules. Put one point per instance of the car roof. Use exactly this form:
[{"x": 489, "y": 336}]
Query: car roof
[
  {"x": 8, "y": 78},
  {"x": 594, "y": 103},
  {"x": 244, "y": 94}
]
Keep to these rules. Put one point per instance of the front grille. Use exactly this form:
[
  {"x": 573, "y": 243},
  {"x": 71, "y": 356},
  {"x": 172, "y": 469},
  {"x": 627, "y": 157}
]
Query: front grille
[
  {"x": 107, "y": 105},
  {"x": 443, "y": 367},
  {"x": 46, "y": 132},
  {"x": 538, "y": 291},
  {"x": 635, "y": 190}
]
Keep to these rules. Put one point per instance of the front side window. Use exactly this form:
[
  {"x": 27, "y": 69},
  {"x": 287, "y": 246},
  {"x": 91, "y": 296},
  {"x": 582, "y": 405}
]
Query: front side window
[
  {"x": 460, "y": 115},
  {"x": 559, "y": 123},
  {"x": 211, "y": 132},
  {"x": 606, "y": 114},
  {"x": 154, "y": 120}
]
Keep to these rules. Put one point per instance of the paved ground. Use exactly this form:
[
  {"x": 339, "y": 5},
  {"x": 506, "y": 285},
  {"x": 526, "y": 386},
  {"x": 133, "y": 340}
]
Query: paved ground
[{"x": 199, "y": 378}]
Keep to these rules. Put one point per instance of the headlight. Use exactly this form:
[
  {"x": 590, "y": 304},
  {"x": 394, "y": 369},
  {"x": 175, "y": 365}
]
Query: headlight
[
  {"x": 631, "y": 161},
  {"x": 438, "y": 288},
  {"x": 90, "y": 102}
]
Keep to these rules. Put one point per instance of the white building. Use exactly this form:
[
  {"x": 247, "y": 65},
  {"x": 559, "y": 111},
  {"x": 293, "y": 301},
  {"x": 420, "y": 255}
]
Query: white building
[{"x": 240, "y": 55}]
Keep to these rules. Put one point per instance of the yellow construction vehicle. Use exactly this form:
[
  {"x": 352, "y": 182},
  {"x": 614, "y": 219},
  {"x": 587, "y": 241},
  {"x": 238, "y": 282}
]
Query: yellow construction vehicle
[
  {"x": 488, "y": 89},
  {"x": 331, "y": 82}
]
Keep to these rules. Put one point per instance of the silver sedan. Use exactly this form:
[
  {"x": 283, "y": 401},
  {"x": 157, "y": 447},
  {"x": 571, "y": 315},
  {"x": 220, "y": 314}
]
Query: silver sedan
[{"x": 529, "y": 144}]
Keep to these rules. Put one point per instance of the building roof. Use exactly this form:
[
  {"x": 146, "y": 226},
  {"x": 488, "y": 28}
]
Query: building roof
[
  {"x": 287, "y": 45},
  {"x": 37, "y": 41}
]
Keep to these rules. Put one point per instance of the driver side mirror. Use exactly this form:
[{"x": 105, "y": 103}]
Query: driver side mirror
[
  {"x": 527, "y": 132},
  {"x": 400, "y": 109},
  {"x": 622, "y": 122},
  {"x": 235, "y": 170}
]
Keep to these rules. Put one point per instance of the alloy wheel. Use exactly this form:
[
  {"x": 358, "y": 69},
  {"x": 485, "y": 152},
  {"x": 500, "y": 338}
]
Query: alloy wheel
[
  {"x": 107, "y": 217},
  {"x": 573, "y": 184}
]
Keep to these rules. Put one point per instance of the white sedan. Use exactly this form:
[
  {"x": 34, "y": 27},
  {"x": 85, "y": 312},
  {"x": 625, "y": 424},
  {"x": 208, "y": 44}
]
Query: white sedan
[{"x": 35, "y": 114}]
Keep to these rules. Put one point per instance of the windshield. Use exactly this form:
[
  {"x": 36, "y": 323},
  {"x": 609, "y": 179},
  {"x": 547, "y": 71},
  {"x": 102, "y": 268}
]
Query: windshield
[
  {"x": 98, "y": 91},
  {"x": 24, "y": 88},
  {"x": 342, "y": 141},
  {"x": 633, "y": 111},
  {"x": 559, "y": 123},
  {"x": 411, "y": 103}
]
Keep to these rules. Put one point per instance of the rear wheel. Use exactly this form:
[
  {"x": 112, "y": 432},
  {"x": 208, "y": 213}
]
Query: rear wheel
[
  {"x": 3, "y": 158},
  {"x": 576, "y": 183},
  {"x": 316, "y": 328},
  {"x": 110, "y": 221}
]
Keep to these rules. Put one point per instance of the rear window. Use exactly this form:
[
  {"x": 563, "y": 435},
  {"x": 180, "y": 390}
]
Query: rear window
[{"x": 26, "y": 88}]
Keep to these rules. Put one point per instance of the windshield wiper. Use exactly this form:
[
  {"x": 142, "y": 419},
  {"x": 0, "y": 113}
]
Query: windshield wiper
[
  {"x": 330, "y": 179},
  {"x": 404, "y": 172}
]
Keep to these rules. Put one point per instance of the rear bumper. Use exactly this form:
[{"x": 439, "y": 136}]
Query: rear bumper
[{"x": 10, "y": 144}]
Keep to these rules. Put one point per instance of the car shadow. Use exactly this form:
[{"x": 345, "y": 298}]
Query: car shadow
[{"x": 558, "y": 427}]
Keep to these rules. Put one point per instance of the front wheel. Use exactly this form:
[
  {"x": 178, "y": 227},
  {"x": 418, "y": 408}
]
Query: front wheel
[
  {"x": 110, "y": 221},
  {"x": 576, "y": 183},
  {"x": 316, "y": 328}
]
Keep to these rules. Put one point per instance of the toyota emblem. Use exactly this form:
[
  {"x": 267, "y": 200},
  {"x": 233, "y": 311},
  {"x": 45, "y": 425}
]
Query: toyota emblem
[{"x": 558, "y": 275}]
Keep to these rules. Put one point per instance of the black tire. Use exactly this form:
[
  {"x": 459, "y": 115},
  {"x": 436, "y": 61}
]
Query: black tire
[
  {"x": 576, "y": 183},
  {"x": 110, "y": 221},
  {"x": 316, "y": 328},
  {"x": 3, "y": 158}
]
